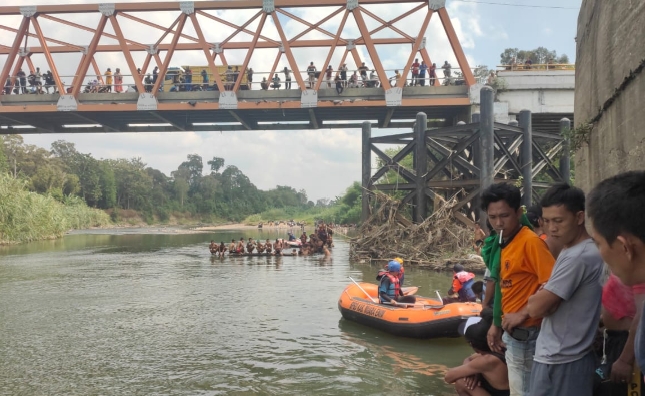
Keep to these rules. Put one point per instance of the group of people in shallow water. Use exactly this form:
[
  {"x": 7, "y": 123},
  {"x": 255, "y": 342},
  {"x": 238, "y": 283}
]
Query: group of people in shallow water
[
  {"x": 554, "y": 322},
  {"x": 319, "y": 242}
]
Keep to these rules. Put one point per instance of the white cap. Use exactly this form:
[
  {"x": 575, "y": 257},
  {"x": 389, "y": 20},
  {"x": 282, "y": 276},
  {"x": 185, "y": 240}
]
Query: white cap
[{"x": 467, "y": 323}]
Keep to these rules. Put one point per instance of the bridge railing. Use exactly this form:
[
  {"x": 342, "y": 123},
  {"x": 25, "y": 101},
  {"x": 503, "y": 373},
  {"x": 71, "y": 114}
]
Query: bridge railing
[
  {"x": 539, "y": 66},
  {"x": 176, "y": 82}
]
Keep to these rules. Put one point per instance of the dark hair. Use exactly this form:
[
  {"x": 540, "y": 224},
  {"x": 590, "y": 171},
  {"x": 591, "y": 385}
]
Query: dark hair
[
  {"x": 558, "y": 194},
  {"x": 476, "y": 334},
  {"x": 501, "y": 192},
  {"x": 478, "y": 287},
  {"x": 533, "y": 214},
  {"x": 458, "y": 268},
  {"x": 616, "y": 206}
]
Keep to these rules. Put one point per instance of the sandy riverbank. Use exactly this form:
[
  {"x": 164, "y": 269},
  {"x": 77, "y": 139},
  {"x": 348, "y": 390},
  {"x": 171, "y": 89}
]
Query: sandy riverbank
[{"x": 241, "y": 226}]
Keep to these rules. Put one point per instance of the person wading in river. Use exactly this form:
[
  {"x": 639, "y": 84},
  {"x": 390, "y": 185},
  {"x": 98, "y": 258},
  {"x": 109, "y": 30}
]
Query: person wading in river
[
  {"x": 240, "y": 246},
  {"x": 250, "y": 246},
  {"x": 267, "y": 246},
  {"x": 277, "y": 247}
]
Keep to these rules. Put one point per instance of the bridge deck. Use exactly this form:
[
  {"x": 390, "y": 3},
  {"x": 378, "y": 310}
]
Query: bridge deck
[{"x": 199, "y": 111}]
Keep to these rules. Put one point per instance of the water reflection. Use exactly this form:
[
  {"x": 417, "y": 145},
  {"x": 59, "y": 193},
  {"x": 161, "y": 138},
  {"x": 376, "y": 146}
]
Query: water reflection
[{"x": 158, "y": 314}]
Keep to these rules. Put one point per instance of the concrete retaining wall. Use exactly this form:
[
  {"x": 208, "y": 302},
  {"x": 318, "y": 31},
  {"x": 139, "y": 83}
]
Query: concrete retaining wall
[{"x": 610, "y": 45}]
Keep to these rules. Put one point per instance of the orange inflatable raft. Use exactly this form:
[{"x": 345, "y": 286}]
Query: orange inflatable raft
[{"x": 427, "y": 318}]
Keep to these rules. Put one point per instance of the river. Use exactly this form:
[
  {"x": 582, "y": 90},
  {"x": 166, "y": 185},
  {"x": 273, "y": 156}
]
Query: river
[{"x": 133, "y": 313}]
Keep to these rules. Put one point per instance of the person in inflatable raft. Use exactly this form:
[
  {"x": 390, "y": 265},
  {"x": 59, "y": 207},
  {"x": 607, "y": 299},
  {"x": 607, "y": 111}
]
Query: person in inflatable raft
[
  {"x": 389, "y": 290},
  {"x": 462, "y": 286}
]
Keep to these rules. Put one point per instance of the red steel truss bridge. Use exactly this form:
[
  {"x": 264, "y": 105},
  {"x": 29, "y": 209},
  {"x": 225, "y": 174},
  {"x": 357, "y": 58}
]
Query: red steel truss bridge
[{"x": 77, "y": 43}]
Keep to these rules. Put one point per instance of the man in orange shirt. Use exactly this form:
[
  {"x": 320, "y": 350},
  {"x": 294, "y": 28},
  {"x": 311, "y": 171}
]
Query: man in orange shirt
[{"x": 525, "y": 264}]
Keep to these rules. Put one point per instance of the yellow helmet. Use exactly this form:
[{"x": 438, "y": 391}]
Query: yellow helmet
[{"x": 399, "y": 260}]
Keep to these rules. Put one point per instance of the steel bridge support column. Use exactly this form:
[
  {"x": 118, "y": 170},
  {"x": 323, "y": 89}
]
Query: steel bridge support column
[
  {"x": 487, "y": 143},
  {"x": 421, "y": 167},
  {"x": 526, "y": 157},
  {"x": 366, "y": 171},
  {"x": 477, "y": 161},
  {"x": 565, "y": 160}
]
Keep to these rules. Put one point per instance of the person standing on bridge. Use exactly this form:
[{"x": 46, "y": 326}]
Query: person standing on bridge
[
  {"x": 432, "y": 74},
  {"x": 447, "y": 69},
  {"x": 363, "y": 70},
  {"x": 22, "y": 81},
  {"x": 415, "y": 72},
  {"x": 311, "y": 72},
  {"x": 422, "y": 73},
  {"x": 188, "y": 79},
  {"x": 339, "y": 87},
  {"x": 108, "y": 80},
  {"x": 155, "y": 75},
  {"x": 343, "y": 74},
  {"x": 204, "y": 75},
  {"x": 118, "y": 81},
  {"x": 328, "y": 74},
  {"x": 287, "y": 78},
  {"x": 249, "y": 77}
]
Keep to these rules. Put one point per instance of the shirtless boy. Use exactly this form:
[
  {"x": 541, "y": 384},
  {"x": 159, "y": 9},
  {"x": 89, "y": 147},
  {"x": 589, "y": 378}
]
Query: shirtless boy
[
  {"x": 277, "y": 247},
  {"x": 250, "y": 246},
  {"x": 240, "y": 246},
  {"x": 221, "y": 249},
  {"x": 267, "y": 246}
]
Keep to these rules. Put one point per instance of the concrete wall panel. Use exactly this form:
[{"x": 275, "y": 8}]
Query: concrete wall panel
[{"x": 610, "y": 45}]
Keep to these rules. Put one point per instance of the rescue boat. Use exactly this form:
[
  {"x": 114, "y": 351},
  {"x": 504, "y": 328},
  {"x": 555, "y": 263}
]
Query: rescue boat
[{"x": 427, "y": 318}]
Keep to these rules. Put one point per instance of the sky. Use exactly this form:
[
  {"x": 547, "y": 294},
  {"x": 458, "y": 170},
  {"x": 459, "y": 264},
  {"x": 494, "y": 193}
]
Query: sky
[{"x": 324, "y": 162}]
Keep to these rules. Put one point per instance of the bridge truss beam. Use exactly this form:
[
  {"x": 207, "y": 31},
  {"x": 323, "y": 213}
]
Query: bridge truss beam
[{"x": 265, "y": 21}]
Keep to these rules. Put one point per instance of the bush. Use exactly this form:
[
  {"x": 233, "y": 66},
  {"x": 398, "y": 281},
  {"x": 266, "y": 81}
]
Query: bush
[{"x": 27, "y": 216}]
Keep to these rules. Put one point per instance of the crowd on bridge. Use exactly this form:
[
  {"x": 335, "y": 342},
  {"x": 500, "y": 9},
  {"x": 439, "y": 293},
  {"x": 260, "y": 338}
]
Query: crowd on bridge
[
  {"x": 181, "y": 79},
  {"x": 555, "y": 321}
]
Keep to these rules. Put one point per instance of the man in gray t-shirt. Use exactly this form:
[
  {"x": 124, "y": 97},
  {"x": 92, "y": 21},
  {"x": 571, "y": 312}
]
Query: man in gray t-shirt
[{"x": 569, "y": 302}]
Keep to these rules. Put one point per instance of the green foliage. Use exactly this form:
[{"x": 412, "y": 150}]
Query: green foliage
[
  {"x": 539, "y": 55},
  {"x": 224, "y": 193},
  {"x": 27, "y": 216},
  {"x": 579, "y": 136},
  {"x": 345, "y": 210},
  {"x": 4, "y": 165}
]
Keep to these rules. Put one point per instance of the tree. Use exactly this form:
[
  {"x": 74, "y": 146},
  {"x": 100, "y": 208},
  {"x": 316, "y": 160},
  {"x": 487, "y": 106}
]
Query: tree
[
  {"x": 216, "y": 164},
  {"x": 480, "y": 73},
  {"x": 64, "y": 150},
  {"x": 108, "y": 186},
  {"x": 194, "y": 166},
  {"x": 133, "y": 183},
  {"x": 540, "y": 55},
  {"x": 181, "y": 188},
  {"x": 48, "y": 178},
  {"x": 12, "y": 146},
  {"x": 89, "y": 173}
]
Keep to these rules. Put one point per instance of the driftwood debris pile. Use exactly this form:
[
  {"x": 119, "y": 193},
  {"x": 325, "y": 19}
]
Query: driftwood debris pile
[{"x": 437, "y": 243}]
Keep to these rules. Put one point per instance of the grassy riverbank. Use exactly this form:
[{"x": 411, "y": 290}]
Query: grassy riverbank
[
  {"x": 336, "y": 214},
  {"x": 27, "y": 216}
]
